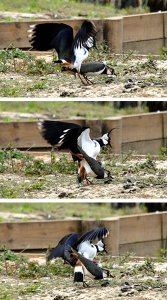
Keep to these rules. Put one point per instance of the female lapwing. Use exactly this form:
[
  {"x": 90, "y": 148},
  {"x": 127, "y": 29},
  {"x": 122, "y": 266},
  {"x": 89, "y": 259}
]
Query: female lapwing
[
  {"x": 91, "y": 68},
  {"x": 86, "y": 267},
  {"x": 72, "y": 51},
  {"x": 77, "y": 139},
  {"x": 73, "y": 249},
  {"x": 89, "y": 165}
]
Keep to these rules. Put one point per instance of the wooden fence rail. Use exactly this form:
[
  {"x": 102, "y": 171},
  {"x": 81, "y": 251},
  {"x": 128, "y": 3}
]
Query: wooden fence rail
[
  {"x": 144, "y": 33},
  {"x": 143, "y": 234},
  {"x": 143, "y": 133}
]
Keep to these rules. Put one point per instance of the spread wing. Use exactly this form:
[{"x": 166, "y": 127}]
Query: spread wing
[
  {"x": 95, "y": 234},
  {"x": 61, "y": 134},
  {"x": 58, "y": 36},
  {"x": 62, "y": 249},
  {"x": 85, "y": 36}
]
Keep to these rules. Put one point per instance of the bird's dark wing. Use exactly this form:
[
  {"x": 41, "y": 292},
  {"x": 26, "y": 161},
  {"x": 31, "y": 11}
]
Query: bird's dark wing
[
  {"x": 61, "y": 250},
  {"x": 97, "y": 233},
  {"x": 61, "y": 134},
  {"x": 58, "y": 36},
  {"x": 85, "y": 36}
]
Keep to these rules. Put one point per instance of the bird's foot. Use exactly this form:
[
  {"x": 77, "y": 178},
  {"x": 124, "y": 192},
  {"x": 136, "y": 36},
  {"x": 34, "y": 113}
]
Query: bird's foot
[
  {"x": 88, "y": 80},
  {"x": 88, "y": 181},
  {"x": 83, "y": 82},
  {"x": 105, "y": 283},
  {"x": 85, "y": 284}
]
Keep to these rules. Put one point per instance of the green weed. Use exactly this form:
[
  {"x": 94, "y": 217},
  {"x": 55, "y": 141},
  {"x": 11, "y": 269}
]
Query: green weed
[
  {"x": 40, "y": 67},
  {"x": 7, "y": 254},
  {"x": 162, "y": 154},
  {"x": 30, "y": 289}
]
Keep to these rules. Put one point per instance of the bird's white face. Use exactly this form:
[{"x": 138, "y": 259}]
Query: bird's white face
[
  {"x": 105, "y": 139},
  {"x": 100, "y": 246}
]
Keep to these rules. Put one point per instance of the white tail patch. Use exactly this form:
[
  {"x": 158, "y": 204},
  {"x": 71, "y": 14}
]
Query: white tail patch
[{"x": 78, "y": 274}]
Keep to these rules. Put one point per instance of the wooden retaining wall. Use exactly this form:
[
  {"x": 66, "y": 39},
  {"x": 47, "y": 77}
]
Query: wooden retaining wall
[
  {"x": 143, "y": 234},
  {"x": 144, "y": 33},
  {"x": 142, "y": 133}
]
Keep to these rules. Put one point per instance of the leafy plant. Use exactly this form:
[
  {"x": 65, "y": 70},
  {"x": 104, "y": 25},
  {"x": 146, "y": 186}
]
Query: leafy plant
[{"x": 7, "y": 254}]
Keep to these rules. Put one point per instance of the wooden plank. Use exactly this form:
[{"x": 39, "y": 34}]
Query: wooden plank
[
  {"x": 144, "y": 147},
  {"x": 150, "y": 248},
  {"x": 164, "y": 129},
  {"x": 142, "y": 127},
  {"x": 95, "y": 126},
  {"x": 165, "y": 25},
  {"x": 139, "y": 228},
  {"x": 15, "y": 33},
  {"x": 113, "y": 34},
  {"x": 112, "y": 241},
  {"x": 25, "y": 134},
  {"x": 143, "y": 27},
  {"x": 35, "y": 235},
  {"x": 164, "y": 228},
  {"x": 144, "y": 47},
  {"x": 21, "y": 135},
  {"x": 116, "y": 134}
]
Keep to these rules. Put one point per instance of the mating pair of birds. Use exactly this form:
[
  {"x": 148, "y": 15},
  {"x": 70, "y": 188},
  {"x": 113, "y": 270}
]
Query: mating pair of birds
[
  {"x": 80, "y": 252},
  {"x": 76, "y": 139},
  {"x": 72, "y": 51}
]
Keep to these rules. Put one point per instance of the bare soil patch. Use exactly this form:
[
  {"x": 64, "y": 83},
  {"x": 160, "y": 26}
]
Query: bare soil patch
[
  {"x": 133, "y": 178},
  {"x": 134, "y": 77},
  {"x": 132, "y": 278}
]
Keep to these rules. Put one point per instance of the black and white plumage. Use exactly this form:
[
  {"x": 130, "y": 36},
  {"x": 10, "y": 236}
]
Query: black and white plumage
[
  {"x": 63, "y": 135},
  {"x": 91, "y": 68},
  {"x": 86, "y": 267},
  {"x": 87, "y": 246},
  {"x": 72, "y": 51},
  {"x": 91, "y": 165},
  {"x": 76, "y": 139}
]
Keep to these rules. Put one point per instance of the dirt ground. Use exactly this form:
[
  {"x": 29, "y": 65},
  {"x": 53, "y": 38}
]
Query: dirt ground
[
  {"x": 136, "y": 178},
  {"x": 136, "y": 279},
  {"x": 136, "y": 77}
]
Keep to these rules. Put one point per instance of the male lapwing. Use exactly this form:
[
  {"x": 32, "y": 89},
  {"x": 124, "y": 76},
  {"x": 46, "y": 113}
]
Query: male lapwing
[
  {"x": 72, "y": 51},
  {"x": 76, "y": 138},
  {"x": 92, "y": 68},
  {"x": 71, "y": 246}
]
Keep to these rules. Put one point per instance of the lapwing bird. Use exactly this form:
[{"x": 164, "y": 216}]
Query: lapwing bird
[
  {"x": 88, "y": 245},
  {"x": 75, "y": 138},
  {"x": 89, "y": 165},
  {"x": 72, "y": 51},
  {"x": 86, "y": 267},
  {"x": 92, "y": 68}
]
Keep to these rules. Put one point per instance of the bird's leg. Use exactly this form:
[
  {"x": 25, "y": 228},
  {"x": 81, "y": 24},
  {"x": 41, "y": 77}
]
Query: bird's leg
[
  {"x": 88, "y": 181},
  {"x": 85, "y": 284},
  {"x": 88, "y": 80},
  {"x": 83, "y": 82},
  {"x": 78, "y": 155},
  {"x": 81, "y": 173}
]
